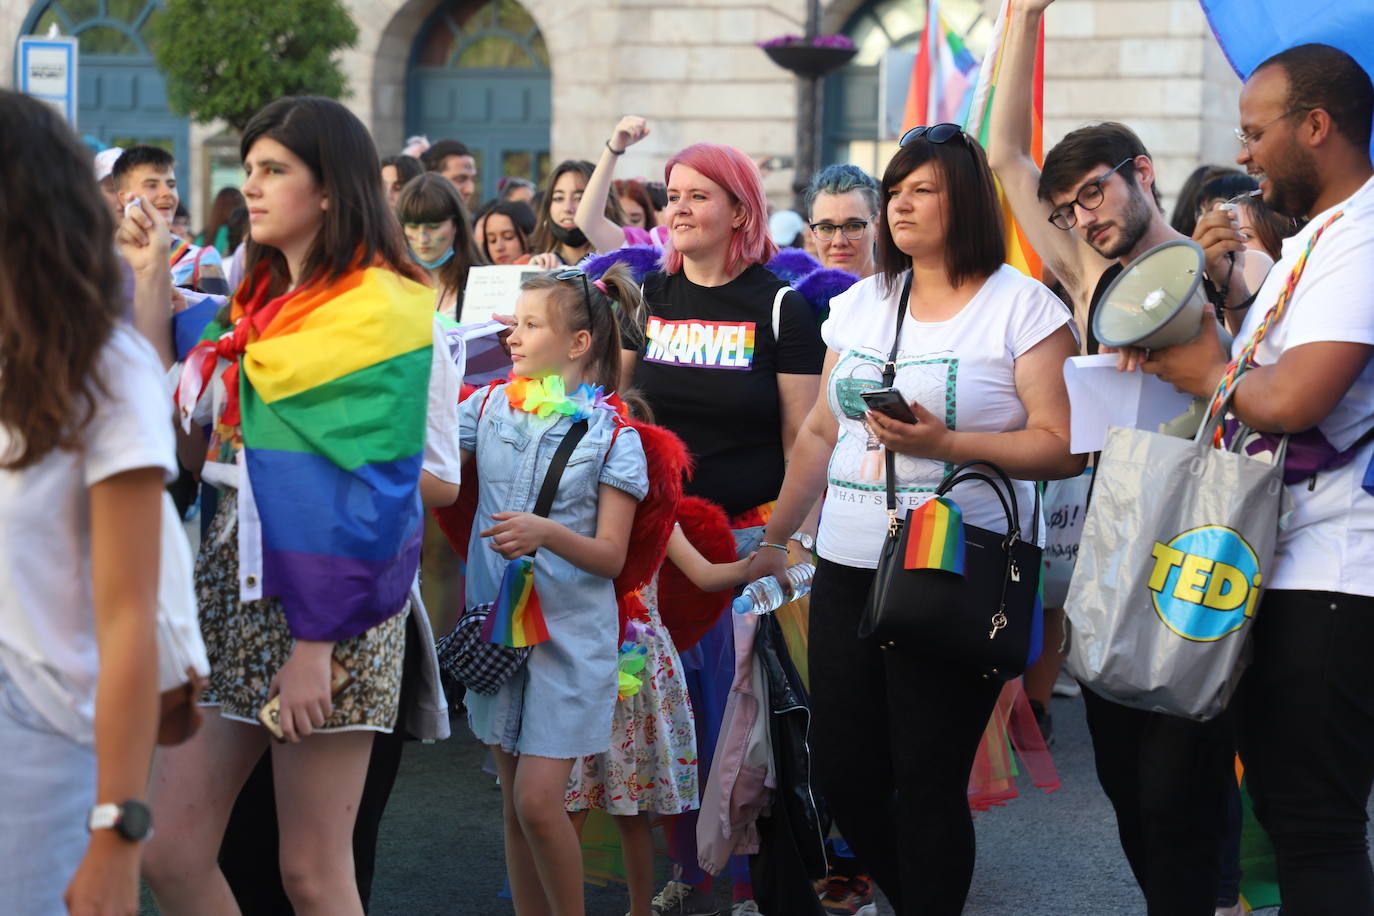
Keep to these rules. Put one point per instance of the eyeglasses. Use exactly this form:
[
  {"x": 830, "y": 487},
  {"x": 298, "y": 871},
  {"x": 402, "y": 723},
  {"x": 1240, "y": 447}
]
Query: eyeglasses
[
  {"x": 1089, "y": 197},
  {"x": 940, "y": 133},
  {"x": 853, "y": 230},
  {"x": 1246, "y": 139},
  {"x": 573, "y": 273}
]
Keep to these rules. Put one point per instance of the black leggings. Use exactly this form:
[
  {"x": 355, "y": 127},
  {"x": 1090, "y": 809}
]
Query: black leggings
[{"x": 895, "y": 734}]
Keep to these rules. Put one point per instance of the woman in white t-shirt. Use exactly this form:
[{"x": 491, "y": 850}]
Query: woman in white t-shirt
[
  {"x": 980, "y": 359},
  {"x": 85, "y": 449}
]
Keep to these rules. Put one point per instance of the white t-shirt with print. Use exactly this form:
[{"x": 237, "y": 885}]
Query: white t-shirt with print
[
  {"x": 1328, "y": 542},
  {"x": 47, "y": 622},
  {"x": 960, "y": 369}
]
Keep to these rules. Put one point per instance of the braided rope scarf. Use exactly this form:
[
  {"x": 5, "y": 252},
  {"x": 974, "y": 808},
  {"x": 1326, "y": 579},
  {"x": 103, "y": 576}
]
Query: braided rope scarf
[{"x": 1246, "y": 358}]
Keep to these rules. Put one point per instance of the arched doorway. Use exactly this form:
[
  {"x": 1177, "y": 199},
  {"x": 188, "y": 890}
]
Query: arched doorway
[
  {"x": 479, "y": 73},
  {"x": 853, "y": 129},
  {"x": 122, "y": 96}
]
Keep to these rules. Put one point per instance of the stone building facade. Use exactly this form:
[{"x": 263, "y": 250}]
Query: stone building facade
[{"x": 542, "y": 80}]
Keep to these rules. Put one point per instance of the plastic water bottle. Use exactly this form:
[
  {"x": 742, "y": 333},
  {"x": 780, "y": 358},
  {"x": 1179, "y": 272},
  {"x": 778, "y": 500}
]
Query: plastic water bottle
[{"x": 766, "y": 595}]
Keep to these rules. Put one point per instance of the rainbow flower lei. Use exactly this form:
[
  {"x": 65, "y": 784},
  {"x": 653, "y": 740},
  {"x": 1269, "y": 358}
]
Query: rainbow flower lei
[{"x": 546, "y": 396}]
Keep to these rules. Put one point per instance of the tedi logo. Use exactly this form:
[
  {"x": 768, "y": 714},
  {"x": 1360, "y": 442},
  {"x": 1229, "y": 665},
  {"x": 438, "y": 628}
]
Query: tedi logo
[{"x": 1205, "y": 583}]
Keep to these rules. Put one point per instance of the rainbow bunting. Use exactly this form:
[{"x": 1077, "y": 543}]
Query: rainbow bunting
[
  {"x": 935, "y": 537},
  {"x": 516, "y": 618},
  {"x": 978, "y": 124},
  {"x": 327, "y": 385}
]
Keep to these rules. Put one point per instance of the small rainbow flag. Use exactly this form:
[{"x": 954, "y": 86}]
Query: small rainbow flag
[
  {"x": 935, "y": 537},
  {"x": 516, "y": 618}
]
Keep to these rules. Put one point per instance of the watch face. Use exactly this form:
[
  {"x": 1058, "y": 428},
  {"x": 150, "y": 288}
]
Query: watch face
[{"x": 135, "y": 820}]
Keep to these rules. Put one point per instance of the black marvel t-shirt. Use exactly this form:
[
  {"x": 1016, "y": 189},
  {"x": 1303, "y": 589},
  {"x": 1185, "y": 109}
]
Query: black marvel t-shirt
[{"x": 708, "y": 367}]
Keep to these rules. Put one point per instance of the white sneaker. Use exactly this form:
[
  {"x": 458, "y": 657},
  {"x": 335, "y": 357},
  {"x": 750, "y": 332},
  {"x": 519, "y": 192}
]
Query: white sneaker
[
  {"x": 1065, "y": 686},
  {"x": 745, "y": 908},
  {"x": 678, "y": 898}
]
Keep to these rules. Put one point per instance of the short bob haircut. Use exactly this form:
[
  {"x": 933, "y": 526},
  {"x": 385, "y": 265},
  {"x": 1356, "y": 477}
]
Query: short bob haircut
[
  {"x": 842, "y": 179},
  {"x": 739, "y": 176},
  {"x": 359, "y": 229},
  {"x": 975, "y": 241}
]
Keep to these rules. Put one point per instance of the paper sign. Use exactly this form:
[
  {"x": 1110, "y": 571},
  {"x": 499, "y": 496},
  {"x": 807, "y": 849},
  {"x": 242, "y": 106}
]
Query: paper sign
[
  {"x": 1100, "y": 396},
  {"x": 492, "y": 290}
]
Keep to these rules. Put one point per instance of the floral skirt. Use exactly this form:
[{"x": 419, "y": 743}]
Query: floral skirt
[
  {"x": 652, "y": 763},
  {"x": 249, "y": 641}
]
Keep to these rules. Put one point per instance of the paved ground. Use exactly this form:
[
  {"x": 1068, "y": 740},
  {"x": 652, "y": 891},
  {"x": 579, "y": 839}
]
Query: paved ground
[{"x": 1041, "y": 854}]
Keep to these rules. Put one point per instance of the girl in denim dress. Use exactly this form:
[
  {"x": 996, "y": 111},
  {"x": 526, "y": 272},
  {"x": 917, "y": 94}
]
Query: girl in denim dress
[{"x": 558, "y": 706}]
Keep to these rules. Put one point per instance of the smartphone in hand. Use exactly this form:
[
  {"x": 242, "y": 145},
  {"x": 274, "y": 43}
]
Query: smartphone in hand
[
  {"x": 890, "y": 403},
  {"x": 270, "y": 714}
]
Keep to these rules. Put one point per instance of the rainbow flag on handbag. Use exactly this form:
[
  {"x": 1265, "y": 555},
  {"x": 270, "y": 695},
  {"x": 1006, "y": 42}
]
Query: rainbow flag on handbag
[
  {"x": 935, "y": 537},
  {"x": 330, "y": 404},
  {"x": 516, "y": 618}
]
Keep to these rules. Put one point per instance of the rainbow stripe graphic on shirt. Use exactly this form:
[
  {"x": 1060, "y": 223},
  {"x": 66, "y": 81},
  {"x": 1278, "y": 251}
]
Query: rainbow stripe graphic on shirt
[
  {"x": 516, "y": 618},
  {"x": 704, "y": 344},
  {"x": 936, "y": 537}
]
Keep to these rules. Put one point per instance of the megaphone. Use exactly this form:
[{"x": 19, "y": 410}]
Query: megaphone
[{"x": 1157, "y": 301}]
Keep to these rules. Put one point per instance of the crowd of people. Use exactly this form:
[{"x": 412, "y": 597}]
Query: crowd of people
[{"x": 684, "y": 414}]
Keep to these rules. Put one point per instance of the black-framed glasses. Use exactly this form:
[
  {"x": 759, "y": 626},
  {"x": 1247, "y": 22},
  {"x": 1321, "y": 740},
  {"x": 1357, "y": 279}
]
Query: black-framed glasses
[
  {"x": 853, "y": 229},
  {"x": 1246, "y": 139},
  {"x": 1089, "y": 197},
  {"x": 573, "y": 273},
  {"x": 939, "y": 133}
]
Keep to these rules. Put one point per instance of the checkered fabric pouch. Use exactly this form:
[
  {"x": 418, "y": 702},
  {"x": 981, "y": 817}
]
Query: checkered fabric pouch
[{"x": 478, "y": 665}]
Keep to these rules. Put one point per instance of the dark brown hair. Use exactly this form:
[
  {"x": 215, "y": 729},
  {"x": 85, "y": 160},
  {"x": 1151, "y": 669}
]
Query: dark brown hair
[
  {"x": 543, "y": 239},
  {"x": 619, "y": 308},
  {"x": 226, "y": 201},
  {"x": 1085, "y": 149},
  {"x": 634, "y": 189},
  {"x": 1184, "y": 217},
  {"x": 975, "y": 242},
  {"x": 432, "y": 198},
  {"x": 61, "y": 286},
  {"x": 521, "y": 218},
  {"x": 359, "y": 229}
]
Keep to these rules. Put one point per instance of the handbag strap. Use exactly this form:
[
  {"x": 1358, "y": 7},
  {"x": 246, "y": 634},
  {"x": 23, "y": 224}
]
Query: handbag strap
[
  {"x": 890, "y": 377},
  {"x": 554, "y": 474}
]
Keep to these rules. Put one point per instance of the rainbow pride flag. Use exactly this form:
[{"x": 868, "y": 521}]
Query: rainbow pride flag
[
  {"x": 935, "y": 536},
  {"x": 942, "y": 77},
  {"x": 1020, "y": 254},
  {"x": 516, "y": 618},
  {"x": 330, "y": 392}
]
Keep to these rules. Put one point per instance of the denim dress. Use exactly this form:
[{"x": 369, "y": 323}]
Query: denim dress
[{"x": 560, "y": 703}]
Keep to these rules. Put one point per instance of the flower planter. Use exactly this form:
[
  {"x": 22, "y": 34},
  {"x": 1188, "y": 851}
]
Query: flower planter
[{"x": 809, "y": 60}]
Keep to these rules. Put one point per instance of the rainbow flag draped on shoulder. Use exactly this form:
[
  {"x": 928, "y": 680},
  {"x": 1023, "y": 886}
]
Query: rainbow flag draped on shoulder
[{"x": 326, "y": 395}]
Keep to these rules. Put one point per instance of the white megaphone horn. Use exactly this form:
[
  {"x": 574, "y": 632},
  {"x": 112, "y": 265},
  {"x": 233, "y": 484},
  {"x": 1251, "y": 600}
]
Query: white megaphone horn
[{"x": 1157, "y": 301}]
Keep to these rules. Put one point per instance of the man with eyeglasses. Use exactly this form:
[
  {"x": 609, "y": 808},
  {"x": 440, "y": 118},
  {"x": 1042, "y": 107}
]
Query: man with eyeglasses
[
  {"x": 1092, "y": 210},
  {"x": 1305, "y": 708}
]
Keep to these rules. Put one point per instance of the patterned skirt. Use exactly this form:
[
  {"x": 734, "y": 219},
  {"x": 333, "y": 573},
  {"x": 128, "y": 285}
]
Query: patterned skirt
[
  {"x": 249, "y": 641},
  {"x": 652, "y": 763}
]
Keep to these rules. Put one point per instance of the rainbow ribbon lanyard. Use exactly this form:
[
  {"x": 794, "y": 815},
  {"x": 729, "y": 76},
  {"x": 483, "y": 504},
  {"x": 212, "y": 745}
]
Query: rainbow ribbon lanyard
[{"x": 1246, "y": 358}]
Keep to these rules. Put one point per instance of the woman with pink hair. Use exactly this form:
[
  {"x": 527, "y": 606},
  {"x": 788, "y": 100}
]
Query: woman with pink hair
[{"x": 730, "y": 361}]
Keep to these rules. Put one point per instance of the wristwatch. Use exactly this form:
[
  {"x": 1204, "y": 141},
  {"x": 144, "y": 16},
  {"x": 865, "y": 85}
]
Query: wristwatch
[
  {"x": 131, "y": 820},
  {"x": 807, "y": 541}
]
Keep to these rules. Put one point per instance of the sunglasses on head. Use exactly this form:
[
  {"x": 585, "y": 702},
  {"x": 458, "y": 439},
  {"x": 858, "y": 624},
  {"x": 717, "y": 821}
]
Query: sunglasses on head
[
  {"x": 939, "y": 133},
  {"x": 575, "y": 273}
]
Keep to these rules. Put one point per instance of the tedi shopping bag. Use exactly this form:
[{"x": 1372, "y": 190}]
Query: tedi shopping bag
[{"x": 1177, "y": 542}]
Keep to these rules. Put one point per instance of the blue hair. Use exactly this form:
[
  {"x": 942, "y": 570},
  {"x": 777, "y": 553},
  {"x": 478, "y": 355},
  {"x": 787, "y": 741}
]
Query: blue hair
[{"x": 841, "y": 179}]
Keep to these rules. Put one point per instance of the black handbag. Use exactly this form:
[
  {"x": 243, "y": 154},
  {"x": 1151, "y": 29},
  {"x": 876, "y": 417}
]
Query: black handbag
[
  {"x": 984, "y": 617},
  {"x": 472, "y": 661}
]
